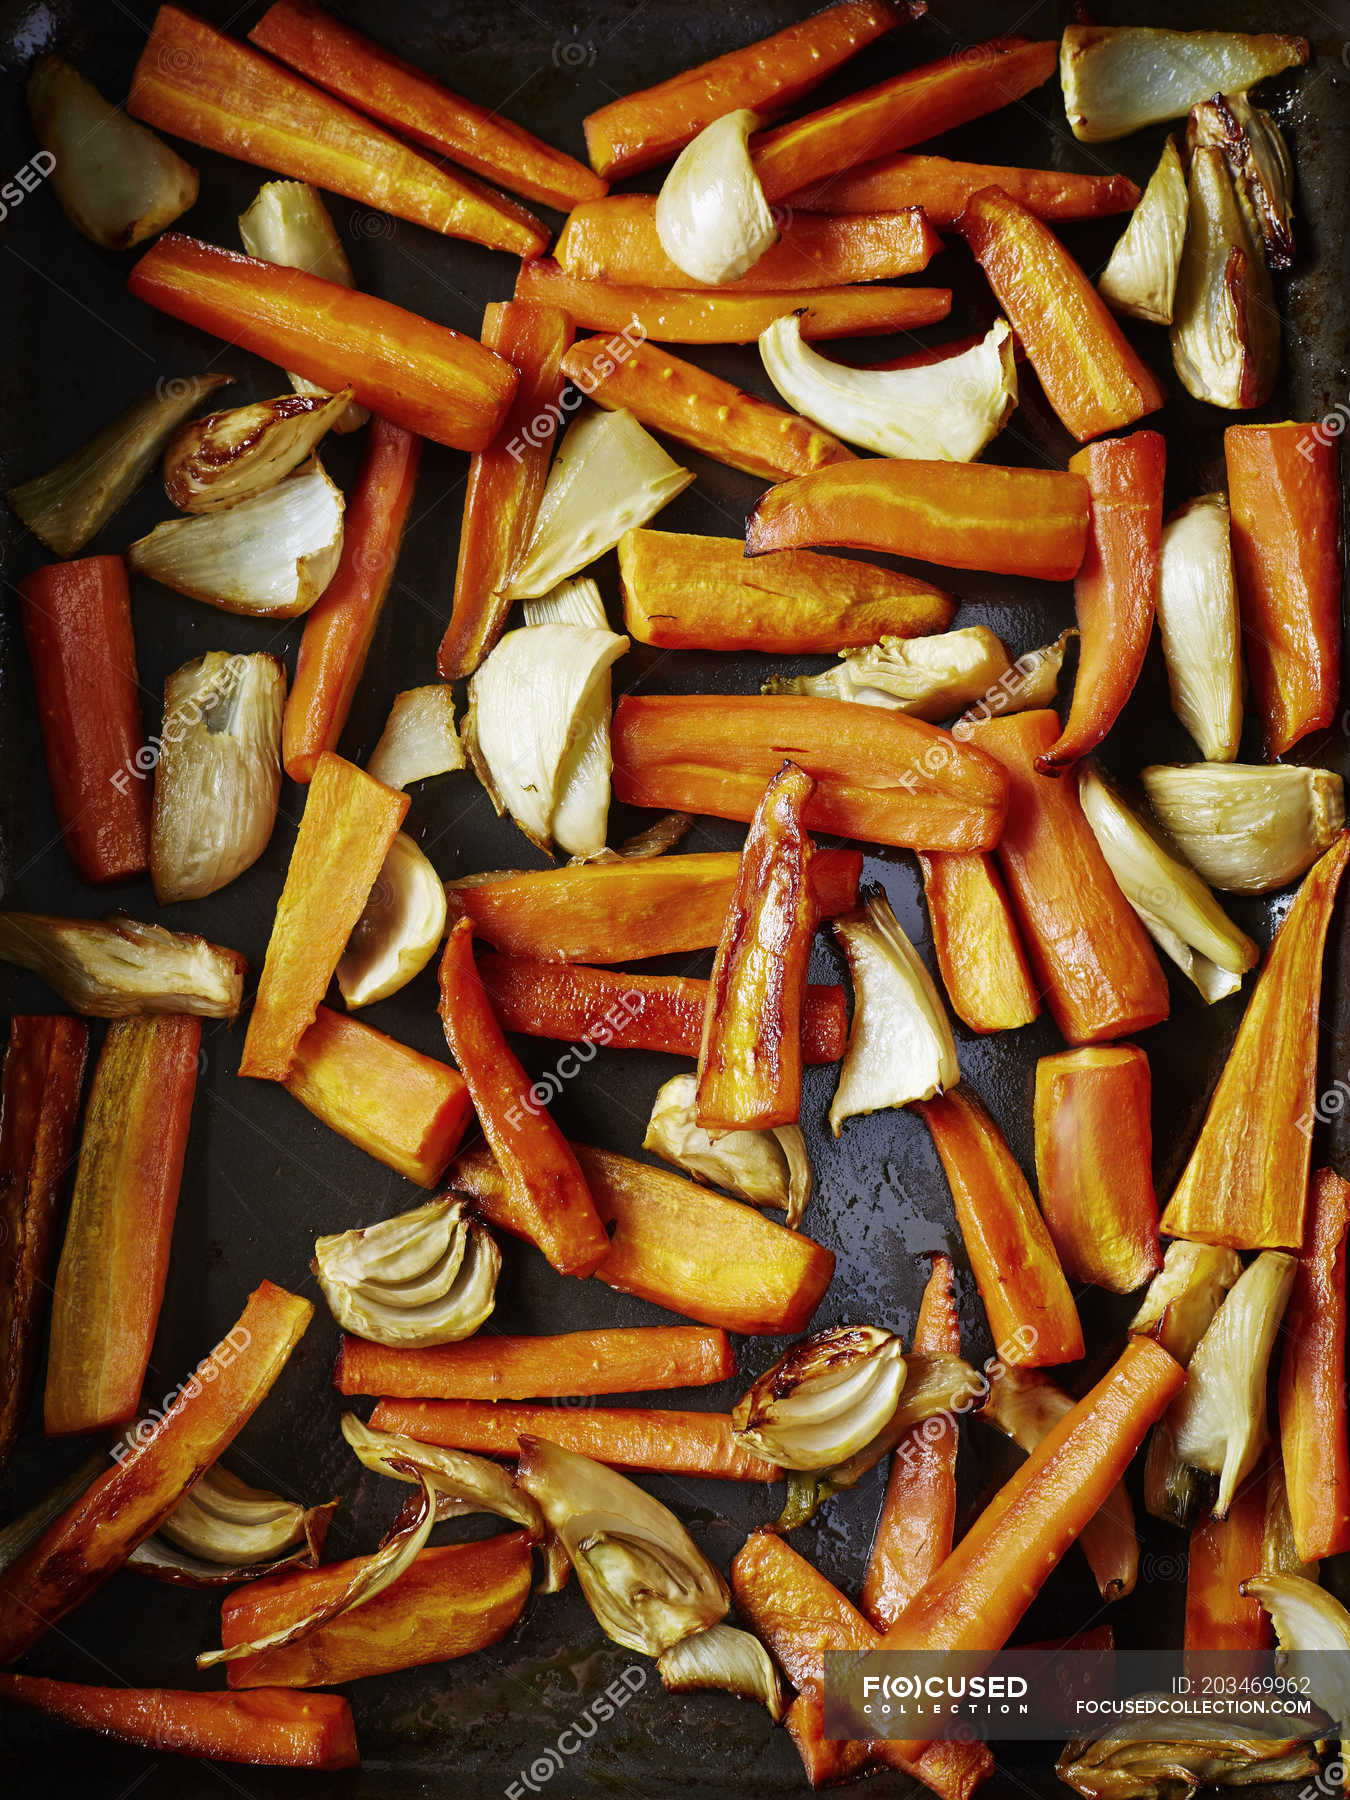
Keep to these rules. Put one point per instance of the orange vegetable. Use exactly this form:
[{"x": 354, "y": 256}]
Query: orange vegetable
[
  {"x": 349, "y": 822},
  {"x": 115, "y": 1258},
  {"x": 1032, "y": 1318},
  {"x": 263, "y": 1727},
  {"x": 624, "y": 911},
  {"x": 195, "y": 83},
  {"x": 704, "y": 316},
  {"x": 686, "y": 402},
  {"x": 1115, "y": 590},
  {"x": 541, "y": 1173},
  {"x": 667, "y": 1442},
  {"x": 639, "y": 130},
  {"x": 1094, "y": 1164},
  {"x": 980, "y": 956},
  {"x": 95, "y": 1535},
  {"x": 341, "y": 624},
  {"x": 1312, "y": 1379},
  {"x": 908, "y": 109},
  {"x": 918, "y": 1515},
  {"x": 448, "y": 1602},
  {"x": 1091, "y": 375},
  {"x": 385, "y": 87},
  {"x": 1284, "y": 494},
  {"x": 1221, "y": 1555},
  {"x": 962, "y": 515},
  {"x": 1090, "y": 956},
  {"x": 1246, "y": 1183},
  {"x": 506, "y": 480},
  {"x": 405, "y": 1109},
  {"x": 942, "y": 189},
  {"x": 880, "y": 776},
  {"x": 635, "y": 1360}
]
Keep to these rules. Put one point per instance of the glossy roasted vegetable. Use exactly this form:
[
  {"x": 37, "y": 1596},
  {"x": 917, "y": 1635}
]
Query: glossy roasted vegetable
[
  {"x": 1198, "y": 622},
  {"x": 463, "y": 1484},
  {"x": 424, "y": 1277},
  {"x": 722, "y": 1657},
  {"x": 1247, "y": 827},
  {"x": 231, "y": 456},
  {"x": 1141, "y": 277},
  {"x": 976, "y": 943},
  {"x": 1312, "y": 1392},
  {"x": 223, "y": 1531},
  {"x": 116, "y": 967},
  {"x": 1119, "y": 78},
  {"x": 1259, "y": 162},
  {"x": 1314, "y": 1633},
  {"x": 711, "y": 215},
  {"x": 928, "y": 677},
  {"x": 399, "y": 931},
  {"x": 828, "y": 1397},
  {"x": 1185, "y": 1294},
  {"x": 1179, "y": 1756},
  {"x": 419, "y": 738},
  {"x": 1225, "y": 327},
  {"x": 768, "y": 1168}
]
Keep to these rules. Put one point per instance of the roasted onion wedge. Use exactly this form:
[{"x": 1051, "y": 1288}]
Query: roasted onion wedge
[
  {"x": 419, "y": 739},
  {"x": 231, "y": 456},
  {"x": 1119, "y": 78},
  {"x": 1225, "y": 328},
  {"x": 828, "y": 1397},
  {"x": 423, "y": 1277},
  {"x": 726, "y": 1658},
  {"x": 928, "y": 677},
  {"x": 117, "y": 967},
  {"x": 1141, "y": 277},
  {"x": 1247, "y": 827},
  {"x": 223, "y": 1531},
  {"x": 711, "y": 215},
  {"x": 768, "y": 1168},
  {"x": 1260, "y": 164},
  {"x": 464, "y": 1483},
  {"x": 400, "y": 930}
]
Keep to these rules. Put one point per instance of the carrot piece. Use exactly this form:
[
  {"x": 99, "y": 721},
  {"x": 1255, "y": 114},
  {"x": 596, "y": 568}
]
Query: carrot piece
[
  {"x": 115, "y": 1258},
  {"x": 1091, "y": 957},
  {"x": 623, "y": 1011},
  {"x": 349, "y": 822},
  {"x": 1091, "y": 375},
  {"x": 645, "y": 128},
  {"x": 962, "y": 515},
  {"x": 425, "y": 377},
  {"x": 196, "y": 83},
  {"x": 77, "y": 625},
  {"x": 1094, "y": 1164},
  {"x": 669, "y": 1442},
  {"x": 1032, "y": 1317},
  {"x": 1284, "y": 492},
  {"x": 1246, "y": 1183},
  {"x": 1221, "y": 1555},
  {"x": 979, "y": 953},
  {"x": 401, "y": 96},
  {"x": 679, "y": 1244},
  {"x": 704, "y": 316},
  {"x": 1115, "y": 591},
  {"x": 623, "y": 911},
  {"x": 1312, "y": 1379},
  {"x": 263, "y": 1727},
  {"x": 405, "y": 1109},
  {"x": 750, "y": 1057},
  {"x": 684, "y": 592},
  {"x": 39, "y": 1102},
  {"x": 340, "y": 626},
  {"x": 686, "y": 402},
  {"x": 976, "y": 1599},
  {"x": 95, "y": 1535},
  {"x": 942, "y": 188},
  {"x": 543, "y": 1176},
  {"x": 635, "y": 1360},
  {"x": 907, "y": 109},
  {"x": 883, "y": 777},
  {"x": 448, "y": 1602},
  {"x": 506, "y": 480},
  {"x": 918, "y": 1516}
]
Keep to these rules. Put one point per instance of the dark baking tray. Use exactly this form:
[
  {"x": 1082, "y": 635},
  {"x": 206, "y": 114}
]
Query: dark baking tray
[{"x": 263, "y": 1177}]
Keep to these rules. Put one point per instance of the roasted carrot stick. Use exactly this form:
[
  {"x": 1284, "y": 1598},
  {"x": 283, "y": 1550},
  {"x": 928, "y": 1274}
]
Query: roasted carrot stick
[
  {"x": 623, "y": 911},
  {"x": 195, "y": 83},
  {"x": 448, "y": 1602},
  {"x": 645, "y": 128},
  {"x": 77, "y": 625},
  {"x": 506, "y": 480},
  {"x": 1115, "y": 590},
  {"x": 623, "y": 1011},
  {"x": 349, "y": 822},
  {"x": 635, "y": 1360},
  {"x": 39, "y": 1102},
  {"x": 962, "y": 515},
  {"x": 979, "y": 953},
  {"x": 1312, "y": 1379},
  {"x": 1089, "y": 954},
  {"x": 1284, "y": 494},
  {"x": 1032, "y": 1318},
  {"x": 542, "y": 1174},
  {"x": 942, "y": 189},
  {"x": 1221, "y": 1555},
  {"x": 115, "y": 1258},
  {"x": 405, "y": 1109},
  {"x": 1091, "y": 375},
  {"x": 94, "y": 1536},
  {"x": 703, "y": 316},
  {"x": 1246, "y": 1183},
  {"x": 264, "y": 1727},
  {"x": 425, "y": 377},
  {"x": 387, "y": 88},
  {"x": 340, "y": 626},
  {"x": 686, "y": 402},
  {"x": 907, "y": 109},
  {"x": 918, "y": 1515}
]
